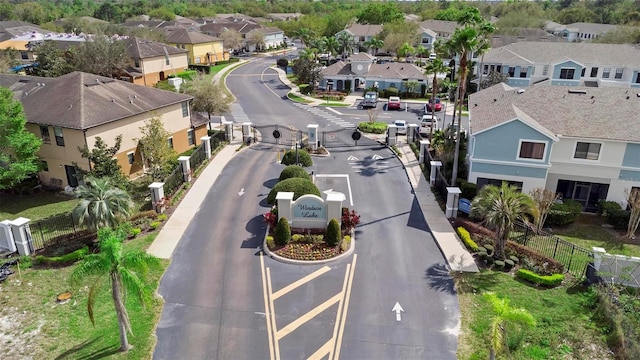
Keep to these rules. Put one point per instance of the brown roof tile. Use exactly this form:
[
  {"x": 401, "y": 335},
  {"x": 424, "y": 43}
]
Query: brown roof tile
[
  {"x": 138, "y": 48},
  {"x": 179, "y": 35}
]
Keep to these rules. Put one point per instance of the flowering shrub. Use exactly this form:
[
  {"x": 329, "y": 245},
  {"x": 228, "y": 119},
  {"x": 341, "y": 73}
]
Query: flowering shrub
[
  {"x": 350, "y": 219},
  {"x": 271, "y": 218}
]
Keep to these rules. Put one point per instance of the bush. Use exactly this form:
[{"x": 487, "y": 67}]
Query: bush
[
  {"x": 271, "y": 218},
  {"x": 154, "y": 225},
  {"x": 466, "y": 239},
  {"x": 563, "y": 214},
  {"x": 544, "y": 280},
  {"x": 298, "y": 186},
  {"x": 270, "y": 242},
  {"x": 162, "y": 217},
  {"x": 391, "y": 91},
  {"x": 346, "y": 243},
  {"x": 62, "y": 260},
  {"x": 293, "y": 171},
  {"x": 282, "y": 232},
  {"x": 618, "y": 218},
  {"x": 469, "y": 190},
  {"x": 304, "y": 158},
  {"x": 473, "y": 228},
  {"x": 333, "y": 233},
  {"x": 604, "y": 207},
  {"x": 187, "y": 74},
  {"x": 350, "y": 219},
  {"x": 150, "y": 214},
  {"x": 135, "y": 232},
  {"x": 533, "y": 260},
  {"x": 305, "y": 89},
  {"x": 282, "y": 63},
  {"x": 373, "y": 128}
]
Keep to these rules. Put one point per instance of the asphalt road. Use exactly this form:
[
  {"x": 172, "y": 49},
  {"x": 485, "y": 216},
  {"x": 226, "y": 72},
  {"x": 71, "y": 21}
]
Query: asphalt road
[{"x": 224, "y": 300}]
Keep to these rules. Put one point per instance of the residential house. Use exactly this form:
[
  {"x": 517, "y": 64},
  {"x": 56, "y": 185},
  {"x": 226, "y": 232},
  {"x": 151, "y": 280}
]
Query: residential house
[
  {"x": 272, "y": 38},
  {"x": 201, "y": 49},
  {"x": 580, "y": 31},
  {"x": 361, "y": 71},
  {"x": 216, "y": 29},
  {"x": 284, "y": 16},
  {"x": 443, "y": 29},
  {"x": 573, "y": 64},
  {"x": 579, "y": 142},
  {"x": 72, "y": 110},
  {"x": 523, "y": 34},
  {"x": 362, "y": 33},
  {"x": 28, "y": 41},
  {"x": 153, "y": 61}
]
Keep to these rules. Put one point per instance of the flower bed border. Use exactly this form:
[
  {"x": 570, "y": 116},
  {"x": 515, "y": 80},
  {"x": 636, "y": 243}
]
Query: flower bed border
[{"x": 274, "y": 256}]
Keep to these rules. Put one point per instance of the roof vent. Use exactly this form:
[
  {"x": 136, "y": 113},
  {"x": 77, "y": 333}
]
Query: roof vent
[
  {"x": 579, "y": 92},
  {"x": 113, "y": 100},
  {"x": 521, "y": 91},
  {"x": 97, "y": 81}
]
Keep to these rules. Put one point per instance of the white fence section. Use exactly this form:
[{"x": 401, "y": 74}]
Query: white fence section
[{"x": 617, "y": 269}]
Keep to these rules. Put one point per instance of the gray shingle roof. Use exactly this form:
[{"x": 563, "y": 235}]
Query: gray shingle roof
[
  {"x": 138, "y": 48},
  {"x": 554, "y": 52},
  {"x": 179, "y": 35},
  {"x": 439, "y": 26},
  {"x": 81, "y": 101},
  {"x": 364, "y": 30},
  {"x": 389, "y": 71},
  {"x": 593, "y": 113},
  {"x": 591, "y": 27},
  {"x": 219, "y": 28},
  {"x": 11, "y": 29}
]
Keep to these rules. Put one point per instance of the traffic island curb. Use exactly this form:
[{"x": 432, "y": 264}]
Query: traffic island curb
[{"x": 276, "y": 257}]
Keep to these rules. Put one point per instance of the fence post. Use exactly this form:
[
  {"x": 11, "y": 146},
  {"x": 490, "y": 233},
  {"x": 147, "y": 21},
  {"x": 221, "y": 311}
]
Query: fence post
[
  {"x": 526, "y": 235},
  {"x": 186, "y": 168},
  {"x": 435, "y": 165},
  {"x": 157, "y": 197},
  {"x": 206, "y": 141},
  {"x": 22, "y": 235},
  {"x": 573, "y": 248},
  {"x": 424, "y": 147},
  {"x": 312, "y": 131},
  {"x": 451, "y": 209}
]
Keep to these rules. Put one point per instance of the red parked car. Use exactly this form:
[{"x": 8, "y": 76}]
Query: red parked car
[
  {"x": 393, "y": 103},
  {"x": 438, "y": 105}
]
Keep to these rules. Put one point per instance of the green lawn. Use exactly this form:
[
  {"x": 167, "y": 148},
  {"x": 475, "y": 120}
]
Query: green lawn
[
  {"x": 35, "y": 206},
  {"x": 333, "y": 103},
  {"x": 297, "y": 98},
  {"x": 64, "y": 331},
  {"x": 565, "y": 325}
]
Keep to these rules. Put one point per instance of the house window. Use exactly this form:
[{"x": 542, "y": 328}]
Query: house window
[
  {"x": 131, "y": 157},
  {"x": 45, "y": 165},
  {"x": 198, "y": 60},
  {"x": 44, "y": 134},
  {"x": 170, "y": 140},
  {"x": 533, "y": 70},
  {"x": 499, "y": 69},
  {"x": 545, "y": 70},
  {"x": 485, "y": 69},
  {"x": 166, "y": 61},
  {"x": 606, "y": 72},
  {"x": 531, "y": 150},
  {"x": 191, "y": 137},
  {"x": 24, "y": 55},
  {"x": 619, "y": 72},
  {"x": 136, "y": 63},
  {"x": 185, "y": 109},
  {"x": 583, "y": 71},
  {"x": 638, "y": 78},
  {"x": 567, "y": 73},
  {"x": 59, "y": 136},
  {"x": 512, "y": 71},
  {"x": 523, "y": 73},
  {"x": 589, "y": 151},
  {"x": 594, "y": 72}
]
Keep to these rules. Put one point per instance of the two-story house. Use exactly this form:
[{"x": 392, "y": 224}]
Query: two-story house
[
  {"x": 272, "y": 38},
  {"x": 442, "y": 29},
  {"x": 72, "y": 110},
  {"x": 580, "y": 31},
  {"x": 361, "y": 33},
  {"x": 579, "y": 142},
  {"x": 153, "y": 61},
  {"x": 361, "y": 71},
  {"x": 573, "y": 64},
  {"x": 202, "y": 49}
]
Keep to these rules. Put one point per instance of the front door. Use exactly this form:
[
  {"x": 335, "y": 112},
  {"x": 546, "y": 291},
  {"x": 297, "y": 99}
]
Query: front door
[
  {"x": 72, "y": 176},
  {"x": 581, "y": 193}
]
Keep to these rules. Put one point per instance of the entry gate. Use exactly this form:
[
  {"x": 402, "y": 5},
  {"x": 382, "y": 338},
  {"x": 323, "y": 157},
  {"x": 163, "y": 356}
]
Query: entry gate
[
  {"x": 336, "y": 138},
  {"x": 277, "y": 134}
]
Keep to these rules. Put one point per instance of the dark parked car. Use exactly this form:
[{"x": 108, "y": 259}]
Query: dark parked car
[{"x": 438, "y": 105}]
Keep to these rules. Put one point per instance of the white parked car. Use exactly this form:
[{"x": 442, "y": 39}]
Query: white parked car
[
  {"x": 427, "y": 121},
  {"x": 401, "y": 126}
]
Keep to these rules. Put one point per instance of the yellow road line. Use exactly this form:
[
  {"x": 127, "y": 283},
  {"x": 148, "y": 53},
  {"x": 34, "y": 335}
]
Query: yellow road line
[
  {"x": 322, "y": 351},
  {"x": 300, "y": 282},
  {"x": 337, "y": 325},
  {"x": 273, "y": 316},
  {"x": 306, "y": 317},
  {"x": 346, "y": 306},
  {"x": 267, "y": 311}
]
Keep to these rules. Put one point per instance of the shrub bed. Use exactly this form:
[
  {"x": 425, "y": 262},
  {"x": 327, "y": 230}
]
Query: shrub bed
[
  {"x": 373, "y": 128},
  {"x": 563, "y": 214},
  {"x": 545, "y": 280},
  {"x": 294, "y": 171},
  {"x": 61, "y": 260},
  {"x": 466, "y": 239}
]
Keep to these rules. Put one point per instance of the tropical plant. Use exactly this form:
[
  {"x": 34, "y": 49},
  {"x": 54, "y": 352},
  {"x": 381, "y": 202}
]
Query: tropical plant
[
  {"x": 504, "y": 314},
  {"x": 125, "y": 271},
  {"x": 500, "y": 207},
  {"x": 542, "y": 199},
  {"x": 434, "y": 67},
  {"x": 331, "y": 45},
  {"x": 305, "y": 35},
  {"x": 345, "y": 44},
  {"x": 375, "y": 44},
  {"x": 405, "y": 51},
  {"x": 101, "y": 204}
]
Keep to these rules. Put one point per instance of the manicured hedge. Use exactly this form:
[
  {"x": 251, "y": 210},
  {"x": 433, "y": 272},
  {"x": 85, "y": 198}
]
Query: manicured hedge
[
  {"x": 563, "y": 214},
  {"x": 62, "y": 260},
  {"x": 618, "y": 218},
  {"x": 466, "y": 239},
  {"x": 469, "y": 190},
  {"x": 545, "y": 280},
  {"x": 304, "y": 158},
  {"x": 333, "y": 233},
  {"x": 377, "y": 127},
  {"x": 297, "y": 186},
  {"x": 605, "y": 206},
  {"x": 294, "y": 171},
  {"x": 543, "y": 263},
  {"x": 282, "y": 232}
]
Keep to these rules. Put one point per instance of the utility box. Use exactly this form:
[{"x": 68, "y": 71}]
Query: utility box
[{"x": 392, "y": 135}]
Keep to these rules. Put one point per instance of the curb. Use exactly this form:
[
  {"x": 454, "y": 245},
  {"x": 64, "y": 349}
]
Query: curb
[{"x": 274, "y": 256}]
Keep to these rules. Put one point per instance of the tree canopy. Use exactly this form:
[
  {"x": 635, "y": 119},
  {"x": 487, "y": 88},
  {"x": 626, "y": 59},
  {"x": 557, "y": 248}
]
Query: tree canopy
[
  {"x": 18, "y": 147},
  {"x": 208, "y": 96},
  {"x": 380, "y": 13}
]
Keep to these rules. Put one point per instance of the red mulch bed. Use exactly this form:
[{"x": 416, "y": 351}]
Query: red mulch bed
[{"x": 307, "y": 251}]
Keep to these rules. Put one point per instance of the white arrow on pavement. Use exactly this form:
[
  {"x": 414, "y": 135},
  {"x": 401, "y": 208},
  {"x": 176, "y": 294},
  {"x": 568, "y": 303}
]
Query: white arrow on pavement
[
  {"x": 241, "y": 192},
  {"x": 351, "y": 158},
  {"x": 398, "y": 309},
  {"x": 377, "y": 157}
]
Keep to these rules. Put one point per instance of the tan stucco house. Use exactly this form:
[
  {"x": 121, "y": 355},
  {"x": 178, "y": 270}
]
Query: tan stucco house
[
  {"x": 72, "y": 110},
  {"x": 153, "y": 61},
  {"x": 202, "y": 49}
]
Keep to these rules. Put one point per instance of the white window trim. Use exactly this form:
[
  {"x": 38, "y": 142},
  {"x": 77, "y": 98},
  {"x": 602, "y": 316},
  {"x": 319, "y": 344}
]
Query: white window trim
[
  {"x": 134, "y": 157},
  {"x": 566, "y": 68},
  {"x": 170, "y": 142},
  {"x": 544, "y": 157},
  {"x": 586, "y": 161}
]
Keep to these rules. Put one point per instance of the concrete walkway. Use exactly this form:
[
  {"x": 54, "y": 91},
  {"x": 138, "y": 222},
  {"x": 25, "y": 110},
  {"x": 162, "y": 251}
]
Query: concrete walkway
[{"x": 458, "y": 258}]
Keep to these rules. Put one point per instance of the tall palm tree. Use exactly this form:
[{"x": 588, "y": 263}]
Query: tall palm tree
[
  {"x": 305, "y": 35},
  {"x": 435, "y": 67},
  {"x": 464, "y": 41},
  {"x": 101, "y": 204},
  {"x": 331, "y": 45},
  {"x": 504, "y": 314},
  {"x": 345, "y": 44},
  {"x": 500, "y": 207},
  {"x": 420, "y": 52},
  {"x": 375, "y": 44},
  {"x": 125, "y": 272},
  {"x": 319, "y": 46},
  {"x": 405, "y": 51}
]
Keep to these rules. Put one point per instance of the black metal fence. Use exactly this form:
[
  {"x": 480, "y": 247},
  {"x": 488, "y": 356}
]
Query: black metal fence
[
  {"x": 173, "y": 181},
  {"x": 43, "y": 232},
  {"x": 197, "y": 157},
  {"x": 574, "y": 258},
  {"x": 441, "y": 183}
]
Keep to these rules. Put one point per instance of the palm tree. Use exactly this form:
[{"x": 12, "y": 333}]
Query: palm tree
[
  {"x": 435, "y": 67},
  {"x": 318, "y": 45},
  {"x": 125, "y": 272},
  {"x": 331, "y": 45},
  {"x": 345, "y": 44},
  {"x": 500, "y": 207},
  {"x": 504, "y": 314},
  {"x": 304, "y": 34},
  {"x": 375, "y": 44},
  {"x": 464, "y": 41},
  {"x": 405, "y": 50},
  {"x": 420, "y": 52},
  {"x": 101, "y": 204}
]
